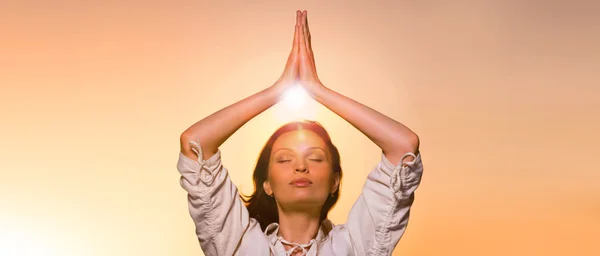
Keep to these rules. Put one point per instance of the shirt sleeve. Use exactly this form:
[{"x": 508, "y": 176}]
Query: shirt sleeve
[
  {"x": 214, "y": 204},
  {"x": 379, "y": 217}
]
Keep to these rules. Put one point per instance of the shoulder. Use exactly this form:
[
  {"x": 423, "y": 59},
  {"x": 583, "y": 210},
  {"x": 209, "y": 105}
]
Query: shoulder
[
  {"x": 338, "y": 240},
  {"x": 254, "y": 240}
]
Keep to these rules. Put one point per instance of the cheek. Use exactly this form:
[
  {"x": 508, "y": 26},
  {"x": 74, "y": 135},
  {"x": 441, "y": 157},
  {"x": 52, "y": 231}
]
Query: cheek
[
  {"x": 324, "y": 174},
  {"x": 277, "y": 176}
]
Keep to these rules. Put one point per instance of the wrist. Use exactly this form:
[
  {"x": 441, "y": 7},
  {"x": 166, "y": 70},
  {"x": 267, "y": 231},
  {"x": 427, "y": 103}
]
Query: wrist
[
  {"x": 274, "y": 91},
  {"x": 316, "y": 90}
]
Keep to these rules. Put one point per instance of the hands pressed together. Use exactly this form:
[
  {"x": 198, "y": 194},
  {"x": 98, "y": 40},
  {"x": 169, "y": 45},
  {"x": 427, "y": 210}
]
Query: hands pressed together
[{"x": 300, "y": 67}]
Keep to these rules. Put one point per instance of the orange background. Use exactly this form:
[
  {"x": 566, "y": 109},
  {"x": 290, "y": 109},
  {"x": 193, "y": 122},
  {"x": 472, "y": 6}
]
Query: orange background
[{"x": 503, "y": 95}]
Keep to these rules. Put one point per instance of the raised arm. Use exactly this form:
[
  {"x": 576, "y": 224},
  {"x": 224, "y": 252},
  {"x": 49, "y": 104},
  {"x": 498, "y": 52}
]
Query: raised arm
[
  {"x": 392, "y": 137},
  {"x": 379, "y": 217},
  {"x": 215, "y": 129},
  {"x": 218, "y": 127},
  {"x": 214, "y": 204}
]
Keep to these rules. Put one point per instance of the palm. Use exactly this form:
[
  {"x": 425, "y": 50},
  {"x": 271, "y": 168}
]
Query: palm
[
  {"x": 290, "y": 73},
  {"x": 300, "y": 66},
  {"x": 307, "y": 68}
]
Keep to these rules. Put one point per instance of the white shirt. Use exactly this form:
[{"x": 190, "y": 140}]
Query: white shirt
[{"x": 375, "y": 224}]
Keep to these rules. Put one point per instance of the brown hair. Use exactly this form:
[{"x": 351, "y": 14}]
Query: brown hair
[{"x": 262, "y": 207}]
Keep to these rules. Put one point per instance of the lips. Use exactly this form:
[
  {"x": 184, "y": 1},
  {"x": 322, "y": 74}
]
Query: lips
[{"x": 301, "y": 182}]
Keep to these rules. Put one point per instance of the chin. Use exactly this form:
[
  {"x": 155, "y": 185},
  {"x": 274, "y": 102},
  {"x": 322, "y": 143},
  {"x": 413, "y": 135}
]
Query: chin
[{"x": 307, "y": 199}]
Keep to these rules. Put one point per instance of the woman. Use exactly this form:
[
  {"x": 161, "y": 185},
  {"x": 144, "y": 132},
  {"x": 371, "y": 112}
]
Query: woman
[{"x": 297, "y": 176}]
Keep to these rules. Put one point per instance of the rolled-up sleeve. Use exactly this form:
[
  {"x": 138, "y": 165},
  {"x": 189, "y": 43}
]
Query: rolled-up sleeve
[
  {"x": 379, "y": 217},
  {"x": 220, "y": 216}
]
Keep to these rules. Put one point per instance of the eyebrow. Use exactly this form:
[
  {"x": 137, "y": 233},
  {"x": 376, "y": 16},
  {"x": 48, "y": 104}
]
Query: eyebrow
[{"x": 308, "y": 148}]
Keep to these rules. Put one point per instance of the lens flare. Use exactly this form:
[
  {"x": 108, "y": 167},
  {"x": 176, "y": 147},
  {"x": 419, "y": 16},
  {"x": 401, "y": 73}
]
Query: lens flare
[
  {"x": 295, "y": 98},
  {"x": 296, "y": 104}
]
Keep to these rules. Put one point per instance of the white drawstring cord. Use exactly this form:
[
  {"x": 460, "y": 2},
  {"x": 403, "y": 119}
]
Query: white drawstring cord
[
  {"x": 303, "y": 247},
  {"x": 204, "y": 175},
  {"x": 397, "y": 173}
]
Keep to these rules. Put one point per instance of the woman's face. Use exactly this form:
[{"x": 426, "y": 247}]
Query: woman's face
[{"x": 300, "y": 173}]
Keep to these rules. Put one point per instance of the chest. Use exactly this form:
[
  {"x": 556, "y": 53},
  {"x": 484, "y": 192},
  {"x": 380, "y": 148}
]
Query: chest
[{"x": 259, "y": 247}]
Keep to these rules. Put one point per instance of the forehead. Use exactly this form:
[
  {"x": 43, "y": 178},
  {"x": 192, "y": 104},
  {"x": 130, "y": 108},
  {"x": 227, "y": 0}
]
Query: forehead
[{"x": 299, "y": 139}]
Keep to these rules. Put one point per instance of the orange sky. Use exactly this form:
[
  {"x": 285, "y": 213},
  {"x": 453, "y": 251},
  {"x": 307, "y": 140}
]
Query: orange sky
[{"x": 94, "y": 96}]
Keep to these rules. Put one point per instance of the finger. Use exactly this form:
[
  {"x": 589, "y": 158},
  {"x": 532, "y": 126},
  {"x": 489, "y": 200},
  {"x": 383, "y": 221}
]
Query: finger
[
  {"x": 308, "y": 37},
  {"x": 296, "y": 28},
  {"x": 305, "y": 26},
  {"x": 296, "y": 46},
  {"x": 304, "y": 32},
  {"x": 294, "y": 52},
  {"x": 296, "y": 39},
  {"x": 308, "y": 40},
  {"x": 304, "y": 59},
  {"x": 291, "y": 66},
  {"x": 305, "y": 52},
  {"x": 301, "y": 35}
]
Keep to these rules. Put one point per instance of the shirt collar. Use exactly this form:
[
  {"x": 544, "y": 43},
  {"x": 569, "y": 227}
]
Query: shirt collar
[{"x": 322, "y": 234}]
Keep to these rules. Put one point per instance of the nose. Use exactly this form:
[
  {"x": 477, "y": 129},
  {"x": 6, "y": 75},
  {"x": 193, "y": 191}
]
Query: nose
[{"x": 301, "y": 168}]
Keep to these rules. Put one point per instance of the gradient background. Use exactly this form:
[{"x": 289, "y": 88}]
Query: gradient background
[{"x": 503, "y": 95}]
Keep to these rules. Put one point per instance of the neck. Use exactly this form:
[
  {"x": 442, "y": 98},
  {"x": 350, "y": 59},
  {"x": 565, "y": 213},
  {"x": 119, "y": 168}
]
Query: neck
[{"x": 299, "y": 226}]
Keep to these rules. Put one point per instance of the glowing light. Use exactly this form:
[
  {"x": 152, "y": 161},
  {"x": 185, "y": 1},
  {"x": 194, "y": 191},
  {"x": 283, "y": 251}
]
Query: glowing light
[
  {"x": 295, "y": 97},
  {"x": 295, "y": 105}
]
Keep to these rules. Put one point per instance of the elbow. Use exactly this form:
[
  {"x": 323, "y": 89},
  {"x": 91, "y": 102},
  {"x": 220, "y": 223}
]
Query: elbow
[
  {"x": 414, "y": 143},
  {"x": 184, "y": 141},
  {"x": 407, "y": 143},
  {"x": 184, "y": 138}
]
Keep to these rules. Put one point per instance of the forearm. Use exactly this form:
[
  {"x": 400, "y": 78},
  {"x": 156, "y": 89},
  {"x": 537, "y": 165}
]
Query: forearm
[
  {"x": 392, "y": 137},
  {"x": 215, "y": 129},
  {"x": 379, "y": 217}
]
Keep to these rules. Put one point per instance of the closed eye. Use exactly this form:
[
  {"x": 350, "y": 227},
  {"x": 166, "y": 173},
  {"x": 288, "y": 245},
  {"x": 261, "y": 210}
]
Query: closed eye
[
  {"x": 283, "y": 161},
  {"x": 317, "y": 160}
]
